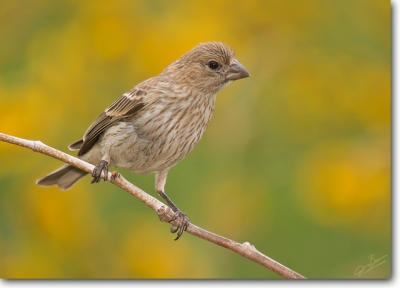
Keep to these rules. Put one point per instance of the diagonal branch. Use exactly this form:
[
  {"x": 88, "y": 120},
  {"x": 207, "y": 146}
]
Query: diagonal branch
[{"x": 164, "y": 212}]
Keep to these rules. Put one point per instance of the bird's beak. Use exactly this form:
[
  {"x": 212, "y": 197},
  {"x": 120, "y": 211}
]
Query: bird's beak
[{"x": 236, "y": 71}]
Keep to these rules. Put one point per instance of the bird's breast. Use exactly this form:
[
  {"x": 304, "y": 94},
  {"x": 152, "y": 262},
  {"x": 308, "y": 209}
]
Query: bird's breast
[{"x": 171, "y": 129}]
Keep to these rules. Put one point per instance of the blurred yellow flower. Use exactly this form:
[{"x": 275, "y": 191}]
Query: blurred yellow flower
[{"x": 347, "y": 184}]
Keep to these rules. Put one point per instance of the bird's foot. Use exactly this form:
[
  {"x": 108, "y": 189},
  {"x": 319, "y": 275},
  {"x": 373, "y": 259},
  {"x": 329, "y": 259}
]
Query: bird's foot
[
  {"x": 181, "y": 223},
  {"x": 102, "y": 166},
  {"x": 180, "y": 220}
]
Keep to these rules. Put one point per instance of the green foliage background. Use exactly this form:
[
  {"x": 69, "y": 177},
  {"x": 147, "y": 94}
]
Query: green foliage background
[{"x": 296, "y": 159}]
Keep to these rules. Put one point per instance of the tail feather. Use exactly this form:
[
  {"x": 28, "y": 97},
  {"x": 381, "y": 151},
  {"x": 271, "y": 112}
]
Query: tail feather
[{"x": 64, "y": 177}]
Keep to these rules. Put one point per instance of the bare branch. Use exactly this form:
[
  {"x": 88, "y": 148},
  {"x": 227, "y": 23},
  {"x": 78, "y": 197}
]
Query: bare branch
[{"x": 164, "y": 212}]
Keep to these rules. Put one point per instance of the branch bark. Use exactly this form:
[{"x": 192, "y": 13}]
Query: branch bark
[{"x": 245, "y": 249}]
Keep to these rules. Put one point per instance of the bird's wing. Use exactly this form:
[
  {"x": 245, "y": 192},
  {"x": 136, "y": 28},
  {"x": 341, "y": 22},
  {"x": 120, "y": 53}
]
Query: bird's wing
[{"x": 125, "y": 106}]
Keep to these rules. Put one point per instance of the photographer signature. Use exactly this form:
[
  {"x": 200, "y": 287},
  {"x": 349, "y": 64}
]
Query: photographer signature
[{"x": 372, "y": 264}]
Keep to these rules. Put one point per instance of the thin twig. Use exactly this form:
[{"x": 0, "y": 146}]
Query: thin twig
[{"x": 164, "y": 212}]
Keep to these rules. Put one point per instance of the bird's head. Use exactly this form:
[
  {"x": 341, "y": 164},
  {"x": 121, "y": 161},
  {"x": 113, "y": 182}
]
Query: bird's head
[{"x": 208, "y": 67}]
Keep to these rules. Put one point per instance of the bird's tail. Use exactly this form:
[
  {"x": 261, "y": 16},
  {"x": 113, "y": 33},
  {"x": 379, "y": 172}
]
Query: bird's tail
[{"x": 64, "y": 177}]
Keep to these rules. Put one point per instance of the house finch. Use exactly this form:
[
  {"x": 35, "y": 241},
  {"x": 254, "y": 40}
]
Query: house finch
[{"x": 157, "y": 123}]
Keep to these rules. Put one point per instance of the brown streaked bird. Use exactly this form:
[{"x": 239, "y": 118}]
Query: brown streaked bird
[{"x": 157, "y": 123}]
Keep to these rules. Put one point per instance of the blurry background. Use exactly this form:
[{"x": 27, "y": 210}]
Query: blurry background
[{"x": 296, "y": 159}]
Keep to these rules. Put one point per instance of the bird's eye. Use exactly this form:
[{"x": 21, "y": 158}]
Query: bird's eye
[{"x": 213, "y": 65}]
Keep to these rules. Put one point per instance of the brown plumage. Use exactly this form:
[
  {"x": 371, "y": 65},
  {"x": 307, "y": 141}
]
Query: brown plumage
[{"x": 157, "y": 123}]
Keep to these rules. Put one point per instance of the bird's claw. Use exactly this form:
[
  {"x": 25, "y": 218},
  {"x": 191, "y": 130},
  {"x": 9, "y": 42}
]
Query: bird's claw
[
  {"x": 102, "y": 166},
  {"x": 183, "y": 223}
]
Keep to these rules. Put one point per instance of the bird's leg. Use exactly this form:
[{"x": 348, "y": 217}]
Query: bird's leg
[{"x": 184, "y": 220}]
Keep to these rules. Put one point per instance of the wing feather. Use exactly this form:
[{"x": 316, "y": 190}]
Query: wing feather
[{"x": 125, "y": 106}]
